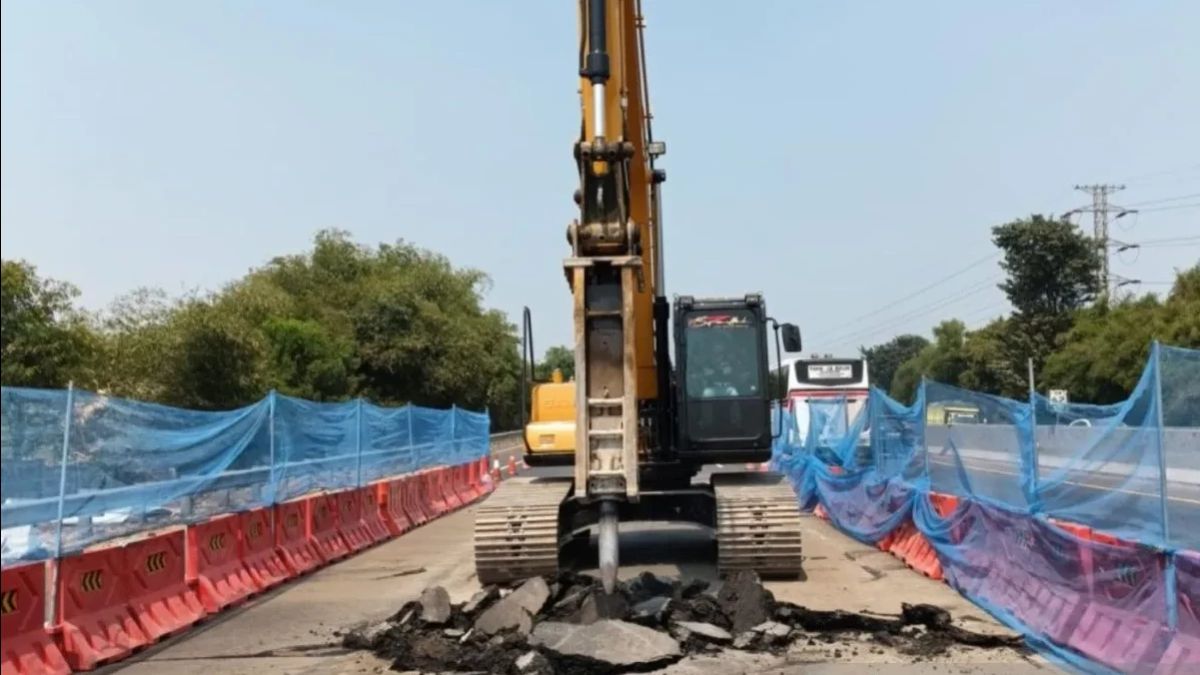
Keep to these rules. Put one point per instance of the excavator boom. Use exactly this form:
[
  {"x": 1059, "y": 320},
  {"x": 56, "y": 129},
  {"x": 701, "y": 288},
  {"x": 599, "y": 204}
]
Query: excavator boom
[{"x": 643, "y": 428}]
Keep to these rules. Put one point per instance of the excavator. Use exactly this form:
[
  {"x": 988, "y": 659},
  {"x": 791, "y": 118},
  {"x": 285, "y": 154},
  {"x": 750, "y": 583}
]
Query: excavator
[{"x": 639, "y": 430}]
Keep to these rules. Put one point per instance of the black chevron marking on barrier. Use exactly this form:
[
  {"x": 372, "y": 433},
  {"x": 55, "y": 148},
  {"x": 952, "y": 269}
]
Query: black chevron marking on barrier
[
  {"x": 156, "y": 562},
  {"x": 293, "y": 521},
  {"x": 256, "y": 530},
  {"x": 216, "y": 542},
  {"x": 93, "y": 580},
  {"x": 9, "y": 602}
]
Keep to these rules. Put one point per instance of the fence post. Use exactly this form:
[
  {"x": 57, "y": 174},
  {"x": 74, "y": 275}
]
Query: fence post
[
  {"x": 62, "y": 476},
  {"x": 454, "y": 448},
  {"x": 923, "y": 397},
  {"x": 412, "y": 444},
  {"x": 1035, "y": 469},
  {"x": 271, "y": 477},
  {"x": 51, "y": 606},
  {"x": 358, "y": 439},
  {"x": 1172, "y": 610}
]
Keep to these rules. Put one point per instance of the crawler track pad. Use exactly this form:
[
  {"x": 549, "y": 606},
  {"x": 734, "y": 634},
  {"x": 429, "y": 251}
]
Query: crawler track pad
[{"x": 516, "y": 530}]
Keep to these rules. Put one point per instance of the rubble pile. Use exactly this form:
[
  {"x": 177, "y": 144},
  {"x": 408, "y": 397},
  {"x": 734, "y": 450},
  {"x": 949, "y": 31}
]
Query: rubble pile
[{"x": 568, "y": 625}]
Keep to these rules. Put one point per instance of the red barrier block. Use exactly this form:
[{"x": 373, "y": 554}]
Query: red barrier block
[
  {"x": 372, "y": 510},
  {"x": 391, "y": 494},
  {"x": 256, "y": 548},
  {"x": 97, "y": 625},
  {"x": 820, "y": 512},
  {"x": 1181, "y": 656},
  {"x": 158, "y": 592},
  {"x": 292, "y": 537},
  {"x": 350, "y": 523},
  {"x": 460, "y": 482},
  {"x": 27, "y": 646},
  {"x": 1050, "y": 609},
  {"x": 434, "y": 501},
  {"x": 323, "y": 520},
  {"x": 417, "y": 505},
  {"x": 911, "y": 547},
  {"x": 485, "y": 477},
  {"x": 474, "y": 481},
  {"x": 945, "y": 505},
  {"x": 1117, "y": 638},
  {"x": 446, "y": 486},
  {"x": 216, "y": 566}
]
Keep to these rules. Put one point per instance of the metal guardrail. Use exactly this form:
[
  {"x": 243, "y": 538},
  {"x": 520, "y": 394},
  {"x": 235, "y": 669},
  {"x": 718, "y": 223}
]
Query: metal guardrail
[{"x": 505, "y": 441}]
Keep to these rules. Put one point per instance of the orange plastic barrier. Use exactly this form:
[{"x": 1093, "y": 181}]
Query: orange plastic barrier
[
  {"x": 820, "y": 512},
  {"x": 372, "y": 513},
  {"x": 462, "y": 483},
  {"x": 445, "y": 482},
  {"x": 911, "y": 547},
  {"x": 349, "y": 522},
  {"x": 485, "y": 477},
  {"x": 159, "y": 596},
  {"x": 1181, "y": 656},
  {"x": 391, "y": 495},
  {"x": 28, "y": 648},
  {"x": 97, "y": 625},
  {"x": 945, "y": 505},
  {"x": 292, "y": 537},
  {"x": 434, "y": 502},
  {"x": 256, "y": 548},
  {"x": 215, "y": 565},
  {"x": 420, "y": 508},
  {"x": 323, "y": 519}
]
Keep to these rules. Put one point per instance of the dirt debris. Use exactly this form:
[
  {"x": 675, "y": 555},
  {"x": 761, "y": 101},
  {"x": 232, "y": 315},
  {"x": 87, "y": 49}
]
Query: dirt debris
[{"x": 497, "y": 631}]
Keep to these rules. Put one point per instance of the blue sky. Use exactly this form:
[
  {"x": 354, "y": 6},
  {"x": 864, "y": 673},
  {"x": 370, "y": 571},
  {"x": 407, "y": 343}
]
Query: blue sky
[{"x": 835, "y": 156}]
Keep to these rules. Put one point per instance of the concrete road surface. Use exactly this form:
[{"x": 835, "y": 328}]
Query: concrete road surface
[{"x": 293, "y": 630}]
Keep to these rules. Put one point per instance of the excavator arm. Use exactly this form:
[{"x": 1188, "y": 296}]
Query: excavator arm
[
  {"x": 615, "y": 268},
  {"x": 641, "y": 427}
]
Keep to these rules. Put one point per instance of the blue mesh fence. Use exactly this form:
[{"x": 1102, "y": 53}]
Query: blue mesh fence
[
  {"x": 79, "y": 468},
  {"x": 1076, "y": 524}
]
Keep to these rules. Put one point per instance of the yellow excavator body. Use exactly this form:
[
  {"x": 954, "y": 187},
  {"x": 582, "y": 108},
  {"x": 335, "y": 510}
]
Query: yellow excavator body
[{"x": 550, "y": 433}]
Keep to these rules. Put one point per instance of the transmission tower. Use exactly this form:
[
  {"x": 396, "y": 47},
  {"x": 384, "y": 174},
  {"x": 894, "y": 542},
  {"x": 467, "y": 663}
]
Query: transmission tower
[{"x": 1100, "y": 209}]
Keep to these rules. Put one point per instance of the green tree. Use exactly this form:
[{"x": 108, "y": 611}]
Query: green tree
[
  {"x": 992, "y": 361},
  {"x": 1104, "y": 353},
  {"x": 306, "y": 361},
  {"x": 883, "y": 360},
  {"x": 136, "y": 345},
  {"x": 559, "y": 357},
  {"x": 943, "y": 361},
  {"x": 45, "y": 341},
  {"x": 218, "y": 360},
  {"x": 1052, "y": 270}
]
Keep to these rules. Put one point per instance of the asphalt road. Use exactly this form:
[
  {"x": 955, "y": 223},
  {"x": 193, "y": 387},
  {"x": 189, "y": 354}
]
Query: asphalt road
[
  {"x": 294, "y": 629},
  {"x": 1105, "y": 501}
]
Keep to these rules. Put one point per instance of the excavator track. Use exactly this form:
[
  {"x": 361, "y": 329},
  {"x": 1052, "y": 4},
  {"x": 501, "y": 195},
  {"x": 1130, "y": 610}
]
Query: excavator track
[
  {"x": 758, "y": 525},
  {"x": 516, "y": 530}
]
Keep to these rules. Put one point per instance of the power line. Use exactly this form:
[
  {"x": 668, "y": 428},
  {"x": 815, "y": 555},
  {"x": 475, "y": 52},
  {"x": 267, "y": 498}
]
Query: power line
[
  {"x": 1170, "y": 240},
  {"x": 1166, "y": 199},
  {"x": 893, "y": 303},
  {"x": 1170, "y": 208},
  {"x": 1158, "y": 174},
  {"x": 922, "y": 310}
]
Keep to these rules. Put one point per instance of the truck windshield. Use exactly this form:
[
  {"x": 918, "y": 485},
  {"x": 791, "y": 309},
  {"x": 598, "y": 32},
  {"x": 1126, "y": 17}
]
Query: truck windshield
[{"x": 723, "y": 355}]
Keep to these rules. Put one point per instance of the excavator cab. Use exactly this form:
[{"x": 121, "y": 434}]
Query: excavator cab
[{"x": 721, "y": 361}]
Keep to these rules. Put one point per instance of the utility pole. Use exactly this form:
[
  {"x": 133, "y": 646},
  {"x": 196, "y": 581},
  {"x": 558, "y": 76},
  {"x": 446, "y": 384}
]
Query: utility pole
[{"x": 1100, "y": 209}]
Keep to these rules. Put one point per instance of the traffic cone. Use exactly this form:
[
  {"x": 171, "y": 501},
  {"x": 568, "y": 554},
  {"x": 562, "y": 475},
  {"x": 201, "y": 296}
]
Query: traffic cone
[{"x": 512, "y": 466}]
